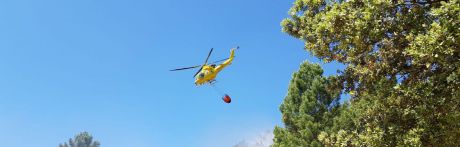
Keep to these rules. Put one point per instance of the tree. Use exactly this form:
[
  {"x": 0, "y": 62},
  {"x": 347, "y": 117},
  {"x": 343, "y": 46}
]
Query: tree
[
  {"x": 83, "y": 139},
  {"x": 402, "y": 62},
  {"x": 307, "y": 109}
]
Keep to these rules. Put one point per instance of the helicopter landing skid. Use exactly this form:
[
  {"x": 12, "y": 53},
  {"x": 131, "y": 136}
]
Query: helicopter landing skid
[{"x": 212, "y": 82}]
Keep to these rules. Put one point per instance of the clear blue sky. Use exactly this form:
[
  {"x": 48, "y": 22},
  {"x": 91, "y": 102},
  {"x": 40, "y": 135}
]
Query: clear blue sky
[{"x": 102, "y": 66}]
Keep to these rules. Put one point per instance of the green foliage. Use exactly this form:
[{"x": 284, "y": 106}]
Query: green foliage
[
  {"x": 307, "y": 109},
  {"x": 402, "y": 69},
  {"x": 83, "y": 139}
]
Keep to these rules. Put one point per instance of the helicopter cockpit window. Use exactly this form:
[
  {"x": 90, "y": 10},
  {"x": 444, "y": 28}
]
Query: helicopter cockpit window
[{"x": 201, "y": 75}]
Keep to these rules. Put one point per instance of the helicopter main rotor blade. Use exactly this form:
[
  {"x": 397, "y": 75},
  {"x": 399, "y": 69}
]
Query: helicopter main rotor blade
[
  {"x": 210, "y": 63},
  {"x": 198, "y": 71},
  {"x": 219, "y": 61},
  {"x": 185, "y": 68},
  {"x": 209, "y": 54}
]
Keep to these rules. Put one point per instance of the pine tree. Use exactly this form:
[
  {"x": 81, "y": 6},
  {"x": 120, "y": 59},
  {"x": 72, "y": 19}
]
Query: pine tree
[
  {"x": 83, "y": 139},
  {"x": 307, "y": 109}
]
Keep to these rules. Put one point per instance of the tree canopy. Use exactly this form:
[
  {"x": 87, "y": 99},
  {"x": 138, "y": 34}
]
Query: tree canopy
[
  {"x": 307, "y": 109},
  {"x": 402, "y": 60},
  {"x": 83, "y": 139}
]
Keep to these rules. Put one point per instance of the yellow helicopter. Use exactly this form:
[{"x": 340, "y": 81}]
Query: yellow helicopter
[{"x": 208, "y": 72}]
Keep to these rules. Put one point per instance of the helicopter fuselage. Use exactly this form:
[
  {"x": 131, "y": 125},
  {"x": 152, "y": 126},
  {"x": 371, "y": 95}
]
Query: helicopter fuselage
[{"x": 206, "y": 75}]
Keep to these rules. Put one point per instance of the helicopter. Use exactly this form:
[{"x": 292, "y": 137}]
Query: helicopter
[{"x": 208, "y": 72}]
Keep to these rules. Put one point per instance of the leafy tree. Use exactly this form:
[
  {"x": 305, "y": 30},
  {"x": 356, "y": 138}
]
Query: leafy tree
[
  {"x": 402, "y": 62},
  {"x": 307, "y": 109},
  {"x": 83, "y": 139}
]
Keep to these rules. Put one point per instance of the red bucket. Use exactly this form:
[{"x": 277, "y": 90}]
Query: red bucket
[{"x": 227, "y": 99}]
